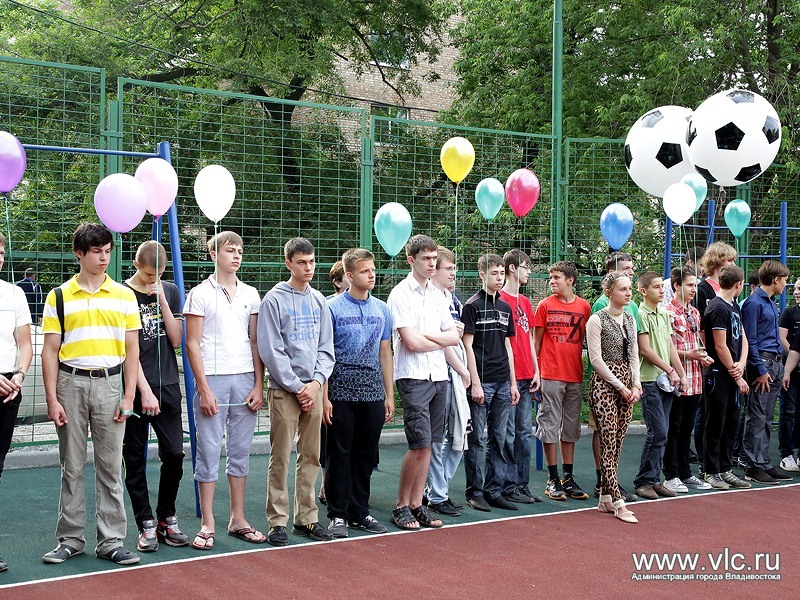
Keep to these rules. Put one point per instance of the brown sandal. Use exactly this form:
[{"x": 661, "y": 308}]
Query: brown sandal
[{"x": 402, "y": 517}]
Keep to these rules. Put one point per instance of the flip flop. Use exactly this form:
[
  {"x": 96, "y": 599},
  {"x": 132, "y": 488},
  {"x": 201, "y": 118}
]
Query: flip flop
[
  {"x": 244, "y": 532},
  {"x": 206, "y": 536}
]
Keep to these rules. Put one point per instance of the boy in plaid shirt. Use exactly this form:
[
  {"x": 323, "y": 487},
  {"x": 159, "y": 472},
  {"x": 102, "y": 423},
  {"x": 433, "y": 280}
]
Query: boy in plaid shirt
[{"x": 685, "y": 321}]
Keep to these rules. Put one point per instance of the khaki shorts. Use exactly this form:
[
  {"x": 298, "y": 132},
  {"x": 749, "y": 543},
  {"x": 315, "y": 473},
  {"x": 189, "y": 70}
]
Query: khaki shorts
[{"x": 559, "y": 416}]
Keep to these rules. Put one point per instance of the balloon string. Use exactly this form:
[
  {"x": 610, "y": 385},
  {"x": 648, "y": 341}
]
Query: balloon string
[
  {"x": 7, "y": 201},
  {"x": 455, "y": 241}
]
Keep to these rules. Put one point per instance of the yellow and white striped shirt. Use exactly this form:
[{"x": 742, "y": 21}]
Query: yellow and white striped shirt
[{"x": 94, "y": 323}]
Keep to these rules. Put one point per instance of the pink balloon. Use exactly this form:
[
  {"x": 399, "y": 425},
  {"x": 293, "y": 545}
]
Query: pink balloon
[
  {"x": 120, "y": 201},
  {"x": 522, "y": 191},
  {"x": 12, "y": 162},
  {"x": 160, "y": 183}
]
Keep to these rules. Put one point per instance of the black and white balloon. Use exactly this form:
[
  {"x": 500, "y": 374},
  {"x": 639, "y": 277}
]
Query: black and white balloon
[
  {"x": 733, "y": 137},
  {"x": 656, "y": 154}
]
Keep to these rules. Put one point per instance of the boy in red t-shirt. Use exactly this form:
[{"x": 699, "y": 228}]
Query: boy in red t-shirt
[
  {"x": 519, "y": 436},
  {"x": 559, "y": 330}
]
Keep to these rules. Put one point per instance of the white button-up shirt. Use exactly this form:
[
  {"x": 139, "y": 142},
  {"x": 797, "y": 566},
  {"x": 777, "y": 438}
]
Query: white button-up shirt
[{"x": 425, "y": 309}]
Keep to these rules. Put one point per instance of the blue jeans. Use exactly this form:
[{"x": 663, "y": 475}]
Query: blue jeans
[
  {"x": 492, "y": 414},
  {"x": 444, "y": 460},
  {"x": 519, "y": 439},
  {"x": 656, "y": 405},
  {"x": 760, "y": 411}
]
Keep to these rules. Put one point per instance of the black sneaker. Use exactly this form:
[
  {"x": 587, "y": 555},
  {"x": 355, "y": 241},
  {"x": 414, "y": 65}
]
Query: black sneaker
[
  {"x": 169, "y": 533},
  {"x": 500, "y": 502},
  {"x": 775, "y": 474},
  {"x": 526, "y": 491},
  {"x": 148, "y": 540},
  {"x": 3, "y": 565},
  {"x": 313, "y": 531},
  {"x": 444, "y": 508},
  {"x": 573, "y": 490},
  {"x": 59, "y": 554},
  {"x": 120, "y": 556},
  {"x": 626, "y": 495},
  {"x": 554, "y": 490},
  {"x": 277, "y": 536},
  {"x": 596, "y": 490},
  {"x": 517, "y": 496},
  {"x": 338, "y": 527},
  {"x": 369, "y": 524}
]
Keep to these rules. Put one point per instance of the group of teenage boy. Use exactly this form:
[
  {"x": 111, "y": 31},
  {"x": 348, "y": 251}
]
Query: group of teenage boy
[{"x": 466, "y": 375}]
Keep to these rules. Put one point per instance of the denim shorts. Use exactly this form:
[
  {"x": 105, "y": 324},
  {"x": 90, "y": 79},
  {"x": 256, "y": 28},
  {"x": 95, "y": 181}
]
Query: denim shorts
[{"x": 423, "y": 411}]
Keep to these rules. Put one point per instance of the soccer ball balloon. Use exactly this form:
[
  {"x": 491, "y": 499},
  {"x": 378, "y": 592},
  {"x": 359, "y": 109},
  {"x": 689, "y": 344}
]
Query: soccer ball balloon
[
  {"x": 656, "y": 154},
  {"x": 733, "y": 137}
]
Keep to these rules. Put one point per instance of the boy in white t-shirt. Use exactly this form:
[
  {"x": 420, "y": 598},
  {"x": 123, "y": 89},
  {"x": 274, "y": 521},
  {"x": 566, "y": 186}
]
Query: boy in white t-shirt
[
  {"x": 16, "y": 353},
  {"x": 221, "y": 315}
]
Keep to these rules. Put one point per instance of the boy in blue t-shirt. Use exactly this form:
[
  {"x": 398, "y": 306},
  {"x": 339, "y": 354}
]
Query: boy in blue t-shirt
[{"x": 360, "y": 395}]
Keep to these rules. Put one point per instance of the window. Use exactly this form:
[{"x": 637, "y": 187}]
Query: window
[{"x": 388, "y": 131}]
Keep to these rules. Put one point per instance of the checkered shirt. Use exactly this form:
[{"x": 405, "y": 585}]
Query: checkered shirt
[{"x": 685, "y": 322}]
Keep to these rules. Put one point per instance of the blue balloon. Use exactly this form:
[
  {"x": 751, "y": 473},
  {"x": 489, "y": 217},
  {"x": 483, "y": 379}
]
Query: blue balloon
[
  {"x": 699, "y": 184},
  {"x": 392, "y": 227},
  {"x": 489, "y": 196},
  {"x": 616, "y": 224}
]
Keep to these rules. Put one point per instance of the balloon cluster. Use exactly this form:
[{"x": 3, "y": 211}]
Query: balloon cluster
[{"x": 673, "y": 153}]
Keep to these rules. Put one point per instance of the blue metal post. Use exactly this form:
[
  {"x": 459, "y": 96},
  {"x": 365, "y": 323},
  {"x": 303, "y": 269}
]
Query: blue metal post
[
  {"x": 784, "y": 240},
  {"x": 668, "y": 249},
  {"x": 177, "y": 269}
]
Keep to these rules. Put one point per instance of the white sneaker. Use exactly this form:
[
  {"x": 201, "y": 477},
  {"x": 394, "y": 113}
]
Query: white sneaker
[
  {"x": 696, "y": 484},
  {"x": 790, "y": 464},
  {"x": 676, "y": 485}
]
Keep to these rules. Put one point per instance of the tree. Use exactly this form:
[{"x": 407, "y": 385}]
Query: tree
[{"x": 620, "y": 60}]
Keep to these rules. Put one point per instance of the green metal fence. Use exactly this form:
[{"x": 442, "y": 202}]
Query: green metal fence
[{"x": 321, "y": 172}]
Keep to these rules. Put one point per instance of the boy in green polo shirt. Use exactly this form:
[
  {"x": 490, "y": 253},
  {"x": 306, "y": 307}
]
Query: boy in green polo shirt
[{"x": 657, "y": 355}]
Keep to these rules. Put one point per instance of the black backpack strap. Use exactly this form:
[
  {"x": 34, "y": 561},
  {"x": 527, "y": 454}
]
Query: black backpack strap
[{"x": 60, "y": 309}]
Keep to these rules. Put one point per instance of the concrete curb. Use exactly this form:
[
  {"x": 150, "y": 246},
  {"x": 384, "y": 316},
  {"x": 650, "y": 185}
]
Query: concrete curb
[{"x": 28, "y": 457}]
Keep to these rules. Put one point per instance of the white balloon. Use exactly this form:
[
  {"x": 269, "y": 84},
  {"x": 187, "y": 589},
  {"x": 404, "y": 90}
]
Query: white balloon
[
  {"x": 733, "y": 137},
  {"x": 215, "y": 191},
  {"x": 680, "y": 202},
  {"x": 656, "y": 154}
]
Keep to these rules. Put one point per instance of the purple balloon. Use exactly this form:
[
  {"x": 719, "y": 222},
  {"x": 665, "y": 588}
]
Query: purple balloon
[
  {"x": 12, "y": 162},
  {"x": 120, "y": 201}
]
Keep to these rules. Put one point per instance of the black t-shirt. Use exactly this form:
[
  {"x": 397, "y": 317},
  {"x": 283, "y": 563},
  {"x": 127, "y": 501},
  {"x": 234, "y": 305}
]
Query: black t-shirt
[
  {"x": 489, "y": 320},
  {"x": 705, "y": 293},
  {"x": 154, "y": 344},
  {"x": 721, "y": 315},
  {"x": 790, "y": 320}
]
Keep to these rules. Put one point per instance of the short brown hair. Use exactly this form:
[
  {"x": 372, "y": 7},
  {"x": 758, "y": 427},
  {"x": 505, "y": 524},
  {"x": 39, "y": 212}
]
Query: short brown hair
[
  {"x": 646, "y": 279},
  {"x": 678, "y": 274},
  {"x": 337, "y": 270},
  {"x": 566, "y": 267},
  {"x": 151, "y": 252},
  {"x": 298, "y": 245},
  {"x": 353, "y": 256},
  {"x": 420, "y": 243},
  {"x": 516, "y": 257},
  {"x": 613, "y": 259},
  {"x": 716, "y": 255},
  {"x": 487, "y": 261},
  {"x": 2, "y": 240},
  {"x": 444, "y": 254},
  {"x": 729, "y": 276},
  {"x": 231, "y": 238},
  {"x": 770, "y": 269}
]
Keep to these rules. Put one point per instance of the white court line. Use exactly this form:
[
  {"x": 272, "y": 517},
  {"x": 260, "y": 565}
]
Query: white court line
[{"x": 303, "y": 545}]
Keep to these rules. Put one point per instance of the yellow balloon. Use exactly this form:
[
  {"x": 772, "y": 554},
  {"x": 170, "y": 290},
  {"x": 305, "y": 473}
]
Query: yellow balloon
[{"x": 457, "y": 158}]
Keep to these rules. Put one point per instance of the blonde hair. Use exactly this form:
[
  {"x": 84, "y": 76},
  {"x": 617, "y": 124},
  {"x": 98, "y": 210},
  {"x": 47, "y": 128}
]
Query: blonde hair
[
  {"x": 353, "y": 256},
  {"x": 230, "y": 238},
  {"x": 146, "y": 254},
  {"x": 717, "y": 254}
]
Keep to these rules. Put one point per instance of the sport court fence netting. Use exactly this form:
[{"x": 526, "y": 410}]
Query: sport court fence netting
[{"x": 314, "y": 170}]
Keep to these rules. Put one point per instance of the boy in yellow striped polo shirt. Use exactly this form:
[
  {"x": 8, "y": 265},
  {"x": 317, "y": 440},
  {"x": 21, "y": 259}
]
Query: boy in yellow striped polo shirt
[{"x": 91, "y": 336}]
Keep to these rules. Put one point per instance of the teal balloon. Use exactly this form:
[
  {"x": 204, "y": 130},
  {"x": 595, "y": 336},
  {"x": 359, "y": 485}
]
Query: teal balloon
[
  {"x": 392, "y": 227},
  {"x": 489, "y": 196},
  {"x": 737, "y": 217},
  {"x": 700, "y": 186}
]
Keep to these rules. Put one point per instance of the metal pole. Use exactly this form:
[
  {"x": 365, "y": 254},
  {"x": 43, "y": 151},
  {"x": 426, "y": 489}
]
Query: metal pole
[
  {"x": 668, "y": 250},
  {"x": 556, "y": 248},
  {"x": 784, "y": 240}
]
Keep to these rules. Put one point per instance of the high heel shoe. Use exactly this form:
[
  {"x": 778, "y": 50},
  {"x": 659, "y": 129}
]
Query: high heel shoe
[
  {"x": 623, "y": 513},
  {"x": 605, "y": 504}
]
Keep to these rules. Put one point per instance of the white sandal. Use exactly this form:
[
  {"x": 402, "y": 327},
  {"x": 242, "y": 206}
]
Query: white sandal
[
  {"x": 605, "y": 505},
  {"x": 623, "y": 513}
]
